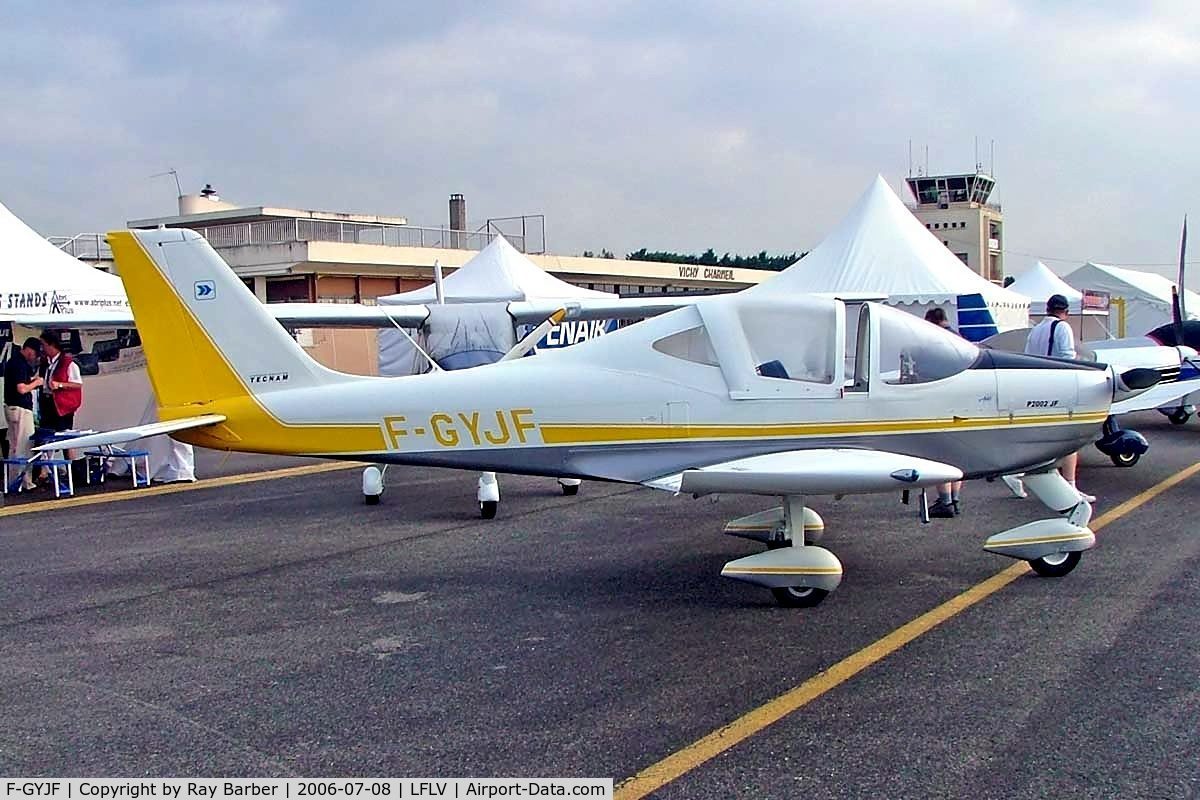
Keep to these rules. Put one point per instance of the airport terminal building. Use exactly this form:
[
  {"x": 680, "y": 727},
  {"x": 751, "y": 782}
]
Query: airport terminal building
[{"x": 291, "y": 255}]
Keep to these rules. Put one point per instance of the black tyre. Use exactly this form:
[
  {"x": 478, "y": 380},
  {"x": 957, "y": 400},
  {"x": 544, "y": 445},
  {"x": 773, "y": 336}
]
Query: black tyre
[
  {"x": 487, "y": 509},
  {"x": 570, "y": 490},
  {"x": 1179, "y": 416},
  {"x": 372, "y": 499},
  {"x": 799, "y": 596},
  {"x": 1125, "y": 459},
  {"x": 1055, "y": 566}
]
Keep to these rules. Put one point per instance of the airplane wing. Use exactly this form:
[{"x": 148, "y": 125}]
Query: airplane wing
[
  {"x": 532, "y": 312},
  {"x": 123, "y": 435},
  {"x": 1160, "y": 395},
  {"x": 347, "y": 315},
  {"x": 820, "y": 471},
  {"x": 292, "y": 315},
  {"x": 78, "y": 318}
]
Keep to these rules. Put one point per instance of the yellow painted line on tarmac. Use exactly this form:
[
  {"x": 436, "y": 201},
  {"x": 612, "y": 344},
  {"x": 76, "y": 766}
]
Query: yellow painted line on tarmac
[
  {"x": 173, "y": 488},
  {"x": 681, "y": 762}
]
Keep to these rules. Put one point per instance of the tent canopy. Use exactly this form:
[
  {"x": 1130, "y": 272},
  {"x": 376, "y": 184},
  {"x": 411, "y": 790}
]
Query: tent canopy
[
  {"x": 497, "y": 273},
  {"x": 1146, "y": 296},
  {"x": 1038, "y": 283},
  {"x": 37, "y": 278},
  {"x": 880, "y": 247}
]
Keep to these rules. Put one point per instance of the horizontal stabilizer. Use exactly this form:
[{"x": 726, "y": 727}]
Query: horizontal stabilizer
[
  {"x": 136, "y": 432},
  {"x": 819, "y": 471}
]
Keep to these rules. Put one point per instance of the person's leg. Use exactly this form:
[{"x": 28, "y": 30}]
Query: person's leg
[
  {"x": 1068, "y": 466},
  {"x": 955, "y": 491},
  {"x": 944, "y": 507},
  {"x": 20, "y": 435}
]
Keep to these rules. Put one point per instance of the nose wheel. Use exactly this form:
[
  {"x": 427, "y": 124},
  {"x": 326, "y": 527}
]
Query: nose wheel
[{"x": 1125, "y": 459}]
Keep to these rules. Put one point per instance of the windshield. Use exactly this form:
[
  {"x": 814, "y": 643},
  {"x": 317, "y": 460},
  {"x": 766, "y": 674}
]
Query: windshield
[{"x": 912, "y": 350}]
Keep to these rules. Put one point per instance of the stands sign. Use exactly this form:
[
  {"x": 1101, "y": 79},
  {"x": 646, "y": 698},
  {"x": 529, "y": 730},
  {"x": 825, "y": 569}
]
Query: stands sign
[{"x": 27, "y": 301}]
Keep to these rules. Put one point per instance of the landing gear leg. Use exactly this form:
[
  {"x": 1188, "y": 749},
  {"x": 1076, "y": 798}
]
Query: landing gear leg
[
  {"x": 1051, "y": 546},
  {"x": 799, "y": 575},
  {"x": 570, "y": 486},
  {"x": 489, "y": 495}
]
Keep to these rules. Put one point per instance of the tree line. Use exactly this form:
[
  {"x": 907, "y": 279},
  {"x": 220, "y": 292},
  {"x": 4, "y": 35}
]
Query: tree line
[{"x": 709, "y": 258}]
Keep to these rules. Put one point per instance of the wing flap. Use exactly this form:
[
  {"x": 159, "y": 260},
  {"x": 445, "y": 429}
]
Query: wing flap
[
  {"x": 818, "y": 471},
  {"x": 123, "y": 435}
]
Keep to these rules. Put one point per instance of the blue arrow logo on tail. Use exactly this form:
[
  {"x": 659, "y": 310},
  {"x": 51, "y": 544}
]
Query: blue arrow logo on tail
[{"x": 205, "y": 290}]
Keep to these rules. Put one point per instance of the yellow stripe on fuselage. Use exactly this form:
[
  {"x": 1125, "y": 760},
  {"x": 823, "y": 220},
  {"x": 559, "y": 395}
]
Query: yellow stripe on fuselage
[{"x": 583, "y": 433}]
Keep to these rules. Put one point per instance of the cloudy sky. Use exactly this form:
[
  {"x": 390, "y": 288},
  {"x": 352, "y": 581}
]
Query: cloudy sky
[{"x": 673, "y": 125}]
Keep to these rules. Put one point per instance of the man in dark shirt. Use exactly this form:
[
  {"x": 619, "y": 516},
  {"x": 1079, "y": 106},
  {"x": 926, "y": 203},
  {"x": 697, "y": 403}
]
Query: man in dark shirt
[{"x": 20, "y": 382}]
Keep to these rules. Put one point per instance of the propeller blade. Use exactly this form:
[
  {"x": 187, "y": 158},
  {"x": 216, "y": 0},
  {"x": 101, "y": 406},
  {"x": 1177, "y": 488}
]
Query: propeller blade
[
  {"x": 1182, "y": 262},
  {"x": 534, "y": 336}
]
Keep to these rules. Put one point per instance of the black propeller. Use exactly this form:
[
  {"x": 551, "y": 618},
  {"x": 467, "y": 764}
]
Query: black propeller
[{"x": 1178, "y": 310}]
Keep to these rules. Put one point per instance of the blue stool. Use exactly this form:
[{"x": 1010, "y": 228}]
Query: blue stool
[
  {"x": 54, "y": 464},
  {"x": 131, "y": 456},
  {"x": 15, "y": 485}
]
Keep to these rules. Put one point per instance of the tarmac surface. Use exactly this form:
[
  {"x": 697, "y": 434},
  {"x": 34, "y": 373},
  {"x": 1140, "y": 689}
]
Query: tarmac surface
[{"x": 281, "y": 627}]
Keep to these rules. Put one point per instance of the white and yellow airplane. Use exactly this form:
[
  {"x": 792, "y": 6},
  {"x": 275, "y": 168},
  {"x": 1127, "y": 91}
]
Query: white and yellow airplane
[{"x": 747, "y": 393}]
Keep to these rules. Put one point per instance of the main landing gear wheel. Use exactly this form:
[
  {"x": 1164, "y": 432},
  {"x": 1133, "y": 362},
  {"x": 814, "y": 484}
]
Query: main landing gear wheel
[
  {"x": 1179, "y": 416},
  {"x": 371, "y": 499},
  {"x": 799, "y": 596},
  {"x": 570, "y": 489},
  {"x": 487, "y": 509},
  {"x": 1125, "y": 459},
  {"x": 1056, "y": 565}
]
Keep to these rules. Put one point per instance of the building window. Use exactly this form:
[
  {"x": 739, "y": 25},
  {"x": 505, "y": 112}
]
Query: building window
[{"x": 963, "y": 257}]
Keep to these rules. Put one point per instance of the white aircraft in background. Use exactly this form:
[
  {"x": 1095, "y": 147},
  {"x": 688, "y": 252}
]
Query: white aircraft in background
[
  {"x": 1170, "y": 350},
  {"x": 748, "y": 393}
]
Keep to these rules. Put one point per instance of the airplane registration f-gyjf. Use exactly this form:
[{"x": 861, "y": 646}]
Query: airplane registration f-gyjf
[{"x": 748, "y": 393}]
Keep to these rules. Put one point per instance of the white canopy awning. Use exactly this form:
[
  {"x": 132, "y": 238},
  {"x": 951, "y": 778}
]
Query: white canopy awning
[
  {"x": 1144, "y": 296},
  {"x": 38, "y": 279},
  {"x": 1038, "y": 283},
  {"x": 497, "y": 273}
]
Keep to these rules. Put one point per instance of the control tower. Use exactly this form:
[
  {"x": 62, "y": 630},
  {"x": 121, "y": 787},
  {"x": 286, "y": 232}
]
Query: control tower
[{"x": 955, "y": 209}]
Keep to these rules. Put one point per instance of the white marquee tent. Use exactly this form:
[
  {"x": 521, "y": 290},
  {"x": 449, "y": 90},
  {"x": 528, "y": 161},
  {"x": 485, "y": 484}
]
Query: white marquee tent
[
  {"x": 37, "y": 279},
  {"x": 473, "y": 327},
  {"x": 1039, "y": 283},
  {"x": 1144, "y": 296},
  {"x": 881, "y": 248}
]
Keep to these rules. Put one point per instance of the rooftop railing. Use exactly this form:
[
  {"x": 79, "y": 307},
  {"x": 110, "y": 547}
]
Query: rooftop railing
[
  {"x": 84, "y": 246},
  {"x": 284, "y": 231}
]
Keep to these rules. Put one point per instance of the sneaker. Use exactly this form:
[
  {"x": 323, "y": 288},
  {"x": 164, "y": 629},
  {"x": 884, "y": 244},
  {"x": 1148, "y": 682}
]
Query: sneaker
[
  {"x": 940, "y": 510},
  {"x": 957, "y": 507},
  {"x": 1087, "y": 498},
  {"x": 1015, "y": 485}
]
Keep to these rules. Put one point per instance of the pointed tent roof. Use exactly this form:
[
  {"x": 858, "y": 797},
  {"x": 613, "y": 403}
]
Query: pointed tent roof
[
  {"x": 1038, "y": 283},
  {"x": 38, "y": 277},
  {"x": 497, "y": 273},
  {"x": 879, "y": 247}
]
